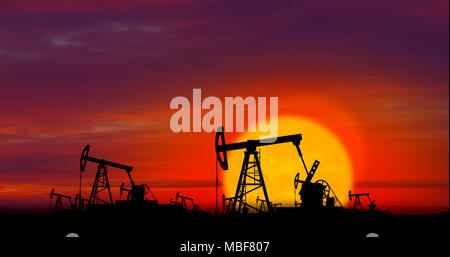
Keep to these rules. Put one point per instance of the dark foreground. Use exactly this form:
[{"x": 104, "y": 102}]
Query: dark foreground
[{"x": 290, "y": 231}]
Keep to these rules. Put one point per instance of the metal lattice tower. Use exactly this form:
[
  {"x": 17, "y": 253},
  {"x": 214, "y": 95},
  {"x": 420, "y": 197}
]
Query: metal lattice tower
[
  {"x": 250, "y": 179},
  {"x": 101, "y": 183}
]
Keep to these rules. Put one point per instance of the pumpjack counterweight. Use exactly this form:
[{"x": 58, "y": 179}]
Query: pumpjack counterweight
[{"x": 317, "y": 194}]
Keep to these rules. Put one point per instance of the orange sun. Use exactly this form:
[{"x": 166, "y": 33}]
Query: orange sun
[{"x": 280, "y": 163}]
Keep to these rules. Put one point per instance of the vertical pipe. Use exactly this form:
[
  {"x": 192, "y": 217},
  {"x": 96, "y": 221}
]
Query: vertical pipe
[
  {"x": 79, "y": 194},
  {"x": 217, "y": 189}
]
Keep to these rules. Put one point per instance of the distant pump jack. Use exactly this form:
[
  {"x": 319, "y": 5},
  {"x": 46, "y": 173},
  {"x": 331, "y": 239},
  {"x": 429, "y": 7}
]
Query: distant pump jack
[{"x": 181, "y": 120}]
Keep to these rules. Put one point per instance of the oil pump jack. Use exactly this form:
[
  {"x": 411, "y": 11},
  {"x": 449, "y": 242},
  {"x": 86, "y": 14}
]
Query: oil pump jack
[
  {"x": 123, "y": 189},
  {"x": 101, "y": 182},
  {"x": 251, "y": 175},
  {"x": 59, "y": 203},
  {"x": 182, "y": 201},
  {"x": 80, "y": 202},
  {"x": 263, "y": 205},
  {"x": 357, "y": 201},
  {"x": 227, "y": 202}
]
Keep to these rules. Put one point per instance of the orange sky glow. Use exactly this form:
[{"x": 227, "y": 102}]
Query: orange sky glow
[{"x": 381, "y": 86}]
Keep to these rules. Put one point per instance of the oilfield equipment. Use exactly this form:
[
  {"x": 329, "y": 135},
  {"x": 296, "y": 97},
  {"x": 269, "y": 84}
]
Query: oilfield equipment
[
  {"x": 251, "y": 176},
  {"x": 123, "y": 189},
  {"x": 357, "y": 201},
  {"x": 276, "y": 205},
  {"x": 313, "y": 194},
  {"x": 263, "y": 205},
  {"x": 59, "y": 201},
  {"x": 101, "y": 182},
  {"x": 137, "y": 194},
  {"x": 317, "y": 194},
  {"x": 227, "y": 202},
  {"x": 81, "y": 202},
  {"x": 182, "y": 201}
]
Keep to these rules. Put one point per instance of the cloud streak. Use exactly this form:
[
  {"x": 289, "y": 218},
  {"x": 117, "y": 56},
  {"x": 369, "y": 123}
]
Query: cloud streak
[
  {"x": 72, "y": 73},
  {"x": 400, "y": 184}
]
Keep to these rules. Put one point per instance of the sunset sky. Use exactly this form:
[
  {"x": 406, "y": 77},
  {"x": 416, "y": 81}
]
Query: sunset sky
[{"x": 72, "y": 73}]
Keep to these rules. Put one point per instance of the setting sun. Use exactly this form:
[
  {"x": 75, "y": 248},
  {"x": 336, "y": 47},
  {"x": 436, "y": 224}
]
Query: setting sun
[{"x": 280, "y": 163}]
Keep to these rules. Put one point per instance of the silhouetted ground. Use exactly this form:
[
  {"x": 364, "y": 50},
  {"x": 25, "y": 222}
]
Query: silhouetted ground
[{"x": 288, "y": 231}]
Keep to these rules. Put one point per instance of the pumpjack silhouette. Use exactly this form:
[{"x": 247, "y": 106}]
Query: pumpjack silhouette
[
  {"x": 139, "y": 198},
  {"x": 357, "y": 201},
  {"x": 313, "y": 195},
  {"x": 101, "y": 181}
]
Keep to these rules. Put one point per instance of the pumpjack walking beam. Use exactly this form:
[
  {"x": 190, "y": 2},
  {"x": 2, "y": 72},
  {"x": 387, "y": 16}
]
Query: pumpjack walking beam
[{"x": 250, "y": 150}]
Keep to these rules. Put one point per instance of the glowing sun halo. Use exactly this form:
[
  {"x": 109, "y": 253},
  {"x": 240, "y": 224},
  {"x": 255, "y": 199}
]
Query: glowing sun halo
[{"x": 280, "y": 163}]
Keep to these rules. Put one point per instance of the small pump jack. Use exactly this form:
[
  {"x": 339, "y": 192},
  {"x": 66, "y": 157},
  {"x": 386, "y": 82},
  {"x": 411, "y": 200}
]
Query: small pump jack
[
  {"x": 227, "y": 202},
  {"x": 59, "y": 203},
  {"x": 357, "y": 201},
  {"x": 181, "y": 200},
  {"x": 80, "y": 202}
]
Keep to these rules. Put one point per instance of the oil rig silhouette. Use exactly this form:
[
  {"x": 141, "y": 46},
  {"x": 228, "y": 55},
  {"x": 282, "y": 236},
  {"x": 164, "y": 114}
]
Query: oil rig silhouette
[
  {"x": 138, "y": 198},
  {"x": 314, "y": 195},
  {"x": 316, "y": 213}
]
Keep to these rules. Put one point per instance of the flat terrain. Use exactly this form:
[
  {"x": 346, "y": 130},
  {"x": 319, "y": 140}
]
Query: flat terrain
[{"x": 288, "y": 231}]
